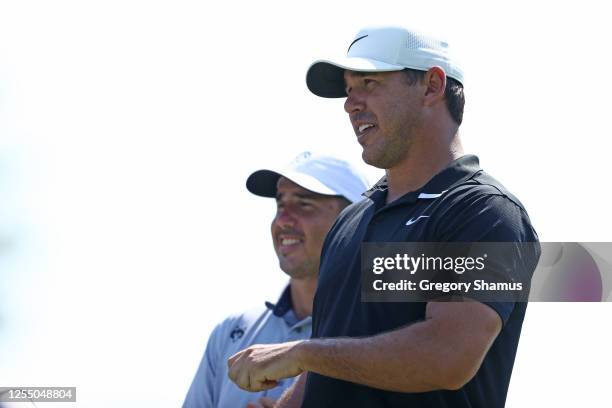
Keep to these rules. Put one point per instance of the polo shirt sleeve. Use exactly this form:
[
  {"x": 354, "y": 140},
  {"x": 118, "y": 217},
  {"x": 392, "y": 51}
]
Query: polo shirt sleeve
[
  {"x": 483, "y": 217},
  {"x": 203, "y": 392}
]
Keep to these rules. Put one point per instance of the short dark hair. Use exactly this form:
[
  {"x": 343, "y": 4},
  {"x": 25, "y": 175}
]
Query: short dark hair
[{"x": 455, "y": 99}]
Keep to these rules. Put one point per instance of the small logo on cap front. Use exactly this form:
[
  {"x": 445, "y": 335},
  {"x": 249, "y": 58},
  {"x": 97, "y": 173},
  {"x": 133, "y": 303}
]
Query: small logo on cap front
[
  {"x": 356, "y": 39},
  {"x": 302, "y": 157}
]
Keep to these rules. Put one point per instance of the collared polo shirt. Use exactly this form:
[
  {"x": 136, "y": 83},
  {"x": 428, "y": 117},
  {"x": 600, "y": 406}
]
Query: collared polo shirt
[
  {"x": 274, "y": 323},
  {"x": 461, "y": 203}
]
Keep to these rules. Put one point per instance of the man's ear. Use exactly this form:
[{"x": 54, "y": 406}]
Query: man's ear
[{"x": 435, "y": 82}]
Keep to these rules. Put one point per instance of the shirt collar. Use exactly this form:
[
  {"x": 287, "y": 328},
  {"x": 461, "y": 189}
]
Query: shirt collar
[
  {"x": 283, "y": 305},
  {"x": 458, "y": 170},
  {"x": 284, "y": 309}
]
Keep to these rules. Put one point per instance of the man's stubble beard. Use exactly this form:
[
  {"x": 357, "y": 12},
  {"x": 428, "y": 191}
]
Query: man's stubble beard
[
  {"x": 394, "y": 146},
  {"x": 306, "y": 269},
  {"x": 390, "y": 150}
]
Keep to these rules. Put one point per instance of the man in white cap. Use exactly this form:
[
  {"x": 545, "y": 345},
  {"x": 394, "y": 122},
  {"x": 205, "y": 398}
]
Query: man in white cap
[
  {"x": 309, "y": 193},
  {"x": 404, "y": 98}
]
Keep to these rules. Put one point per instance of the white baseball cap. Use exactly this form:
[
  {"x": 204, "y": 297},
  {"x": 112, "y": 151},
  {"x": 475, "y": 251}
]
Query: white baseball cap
[
  {"x": 380, "y": 49},
  {"x": 317, "y": 173}
]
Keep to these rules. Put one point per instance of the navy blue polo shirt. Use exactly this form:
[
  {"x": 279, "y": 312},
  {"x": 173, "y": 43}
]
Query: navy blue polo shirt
[{"x": 462, "y": 204}]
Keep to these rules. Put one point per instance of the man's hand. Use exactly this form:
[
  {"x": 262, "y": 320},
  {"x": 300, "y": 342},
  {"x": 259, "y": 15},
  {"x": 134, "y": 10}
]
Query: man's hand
[
  {"x": 259, "y": 367},
  {"x": 263, "y": 402}
]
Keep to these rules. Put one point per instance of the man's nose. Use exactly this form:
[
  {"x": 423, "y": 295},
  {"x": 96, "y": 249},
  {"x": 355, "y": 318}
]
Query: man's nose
[
  {"x": 354, "y": 102},
  {"x": 284, "y": 218}
]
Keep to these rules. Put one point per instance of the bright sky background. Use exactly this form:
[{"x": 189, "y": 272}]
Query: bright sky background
[{"x": 127, "y": 131}]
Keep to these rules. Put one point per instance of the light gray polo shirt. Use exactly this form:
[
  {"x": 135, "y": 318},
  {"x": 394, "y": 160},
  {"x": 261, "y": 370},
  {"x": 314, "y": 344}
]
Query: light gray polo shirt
[{"x": 211, "y": 387}]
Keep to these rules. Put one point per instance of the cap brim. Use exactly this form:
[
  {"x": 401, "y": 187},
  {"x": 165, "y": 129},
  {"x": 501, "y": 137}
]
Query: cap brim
[
  {"x": 325, "y": 78},
  {"x": 263, "y": 183}
]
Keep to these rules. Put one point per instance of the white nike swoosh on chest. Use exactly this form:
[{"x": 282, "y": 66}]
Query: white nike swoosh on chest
[{"x": 413, "y": 220}]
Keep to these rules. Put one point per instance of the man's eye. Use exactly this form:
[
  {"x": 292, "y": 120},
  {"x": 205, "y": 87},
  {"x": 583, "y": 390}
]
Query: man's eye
[{"x": 368, "y": 82}]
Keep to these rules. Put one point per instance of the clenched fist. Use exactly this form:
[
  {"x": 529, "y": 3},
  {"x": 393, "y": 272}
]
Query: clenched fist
[{"x": 259, "y": 367}]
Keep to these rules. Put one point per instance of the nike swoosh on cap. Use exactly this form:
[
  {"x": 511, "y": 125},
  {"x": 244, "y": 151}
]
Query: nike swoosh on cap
[{"x": 354, "y": 41}]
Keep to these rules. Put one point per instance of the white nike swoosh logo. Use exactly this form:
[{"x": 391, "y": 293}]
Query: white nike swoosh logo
[{"x": 413, "y": 220}]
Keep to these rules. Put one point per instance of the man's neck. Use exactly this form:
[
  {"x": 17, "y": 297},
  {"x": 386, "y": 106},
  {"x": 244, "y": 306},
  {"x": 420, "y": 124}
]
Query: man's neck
[
  {"x": 302, "y": 296},
  {"x": 424, "y": 161}
]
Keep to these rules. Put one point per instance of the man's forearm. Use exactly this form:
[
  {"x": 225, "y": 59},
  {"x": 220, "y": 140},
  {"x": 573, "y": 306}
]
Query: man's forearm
[
  {"x": 442, "y": 352},
  {"x": 422, "y": 357},
  {"x": 385, "y": 361},
  {"x": 293, "y": 396}
]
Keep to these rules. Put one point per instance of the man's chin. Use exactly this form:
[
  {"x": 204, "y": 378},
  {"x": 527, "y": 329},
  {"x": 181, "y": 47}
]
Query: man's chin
[
  {"x": 297, "y": 271},
  {"x": 372, "y": 159},
  {"x": 373, "y": 156},
  {"x": 293, "y": 272}
]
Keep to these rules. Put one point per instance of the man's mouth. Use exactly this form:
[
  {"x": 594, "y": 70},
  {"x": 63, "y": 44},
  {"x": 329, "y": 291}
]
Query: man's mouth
[
  {"x": 365, "y": 126},
  {"x": 290, "y": 241},
  {"x": 287, "y": 243}
]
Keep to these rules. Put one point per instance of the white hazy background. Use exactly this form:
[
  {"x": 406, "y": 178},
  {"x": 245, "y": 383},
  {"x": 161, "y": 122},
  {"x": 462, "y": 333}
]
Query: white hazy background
[{"x": 127, "y": 131}]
